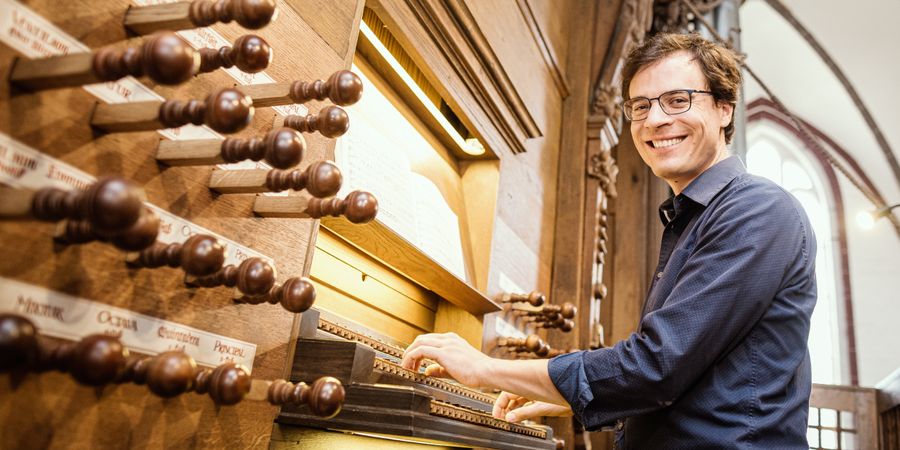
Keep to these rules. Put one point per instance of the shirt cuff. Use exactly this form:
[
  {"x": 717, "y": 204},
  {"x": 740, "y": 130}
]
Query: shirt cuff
[{"x": 567, "y": 373}]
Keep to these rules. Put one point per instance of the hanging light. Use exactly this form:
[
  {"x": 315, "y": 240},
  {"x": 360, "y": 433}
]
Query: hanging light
[{"x": 866, "y": 219}]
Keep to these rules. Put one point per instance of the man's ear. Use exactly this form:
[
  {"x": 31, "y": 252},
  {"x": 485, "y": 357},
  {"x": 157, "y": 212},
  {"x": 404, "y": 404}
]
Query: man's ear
[{"x": 726, "y": 111}]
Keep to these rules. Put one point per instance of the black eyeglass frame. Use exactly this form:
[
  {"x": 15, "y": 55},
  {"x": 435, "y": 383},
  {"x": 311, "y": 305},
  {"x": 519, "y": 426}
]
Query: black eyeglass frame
[{"x": 690, "y": 93}]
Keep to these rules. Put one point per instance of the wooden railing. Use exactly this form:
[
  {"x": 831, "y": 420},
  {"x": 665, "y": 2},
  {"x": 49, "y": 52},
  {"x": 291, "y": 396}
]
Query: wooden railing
[
  {"x": 843, "y": 417},
  {"x": 889, "y": 410}
]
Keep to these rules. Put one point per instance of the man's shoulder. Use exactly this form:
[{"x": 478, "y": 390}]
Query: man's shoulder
[
  {"x": 752, "y": 199},
  {"x": 759, "y": 192}
]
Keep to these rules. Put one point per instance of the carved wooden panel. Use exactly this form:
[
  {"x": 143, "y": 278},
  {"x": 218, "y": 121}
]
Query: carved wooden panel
[{"x": 57, "y": 123}]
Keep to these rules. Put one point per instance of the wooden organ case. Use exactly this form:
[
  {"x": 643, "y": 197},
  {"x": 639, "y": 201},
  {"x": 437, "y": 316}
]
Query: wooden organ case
[{"x": 243, "y": 190}]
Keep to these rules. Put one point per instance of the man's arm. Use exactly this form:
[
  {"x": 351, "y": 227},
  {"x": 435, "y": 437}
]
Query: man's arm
[{"x": 462, "y": 362}]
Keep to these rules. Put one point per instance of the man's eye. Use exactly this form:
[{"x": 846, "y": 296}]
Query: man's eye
[
  {"x": 678, "y": 101},
  {"x": 642, "y": 107}
]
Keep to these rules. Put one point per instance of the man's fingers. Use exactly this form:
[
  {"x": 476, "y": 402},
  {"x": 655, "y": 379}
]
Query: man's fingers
[
  {"x": 501, "y": 404},
  {"x": 537, "y": 409},
  {"x": 436, "y": 370},
  {"x": 426, "y": 340},
  {"x": 412, "y": 358}
]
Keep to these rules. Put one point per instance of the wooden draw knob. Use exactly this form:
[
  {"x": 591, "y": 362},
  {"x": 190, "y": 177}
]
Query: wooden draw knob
[
  {"x": 164, "y": 57},
  {"x": 19, "y": 347},
  {"x": 227, "y": 384},
  {"x": 228, "y": 111},
  {"x": 202, "y": 255},
  {"x": 255, "y": 277},
  {"x": 250, "y": 53},
  {"x": 533, "y": 343},
  {"x": 324, "y": 179},
  {"x": 251, "y": 14},
  {"x": 343, "y": 87},
  {"x": 97, "y": 360},
  {"x": 111, "y": 205},
  {"x": 331, "y": 121},
  {"x": 358, "y": 207},
  {"x": 140, "y": 235},
  {"x": 171, "y": 373},
  {"x": 284, "y": 148},
  {"x": 297, "y": 294},
  {"x": 326, "y": 397},
  {"x": 568, "y": 310}
]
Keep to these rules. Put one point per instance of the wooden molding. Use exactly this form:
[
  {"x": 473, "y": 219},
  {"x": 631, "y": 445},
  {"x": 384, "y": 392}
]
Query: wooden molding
[
  {"x": 384, "y": 244},
  {"x": 446, "y": 43},
  {"x": 546, "y": 49}
]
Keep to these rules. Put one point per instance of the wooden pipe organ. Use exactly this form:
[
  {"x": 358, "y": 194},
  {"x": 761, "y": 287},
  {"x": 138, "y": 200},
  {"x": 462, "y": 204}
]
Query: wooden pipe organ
[{"x": 147, "y": 310}]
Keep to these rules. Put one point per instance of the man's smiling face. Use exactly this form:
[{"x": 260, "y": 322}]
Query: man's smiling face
[{"x": 678, "y": 148}]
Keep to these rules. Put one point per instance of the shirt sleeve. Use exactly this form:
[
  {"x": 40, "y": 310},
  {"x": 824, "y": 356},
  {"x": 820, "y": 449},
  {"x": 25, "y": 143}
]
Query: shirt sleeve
[{"x": 744, "y": 255}]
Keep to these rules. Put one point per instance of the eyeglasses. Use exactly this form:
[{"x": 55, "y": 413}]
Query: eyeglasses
[{"x": 672, "y": 102}]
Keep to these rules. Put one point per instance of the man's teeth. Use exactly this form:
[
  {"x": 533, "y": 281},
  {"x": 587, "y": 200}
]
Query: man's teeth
[{"x": 667, "y": 142}]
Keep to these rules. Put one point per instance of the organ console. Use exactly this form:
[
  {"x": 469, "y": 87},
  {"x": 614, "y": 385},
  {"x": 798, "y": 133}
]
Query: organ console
[
  {"x": 343, "y": 88},
  {"x": 383, "y": 397},
  {"x": 250, "y": 53},
  {"x": 100, "y": 360},
  {"x": 200, "y": 255},
  {"x": 331, "y": 121},
  {"x": 164, "y": 58},
  {"x": 320, "y": 179},
  {"x": 226, "y": 111},
  {"x": 534, "y": 298},
  {"x": 358, "y": 207},
  {"x": 251, "y": 14},
  {"x": 253, "y": 277},
  {"x": 281, "y": 148},
  {"x": 296, "y": 295},
  {"x": 137, "y": 237}
]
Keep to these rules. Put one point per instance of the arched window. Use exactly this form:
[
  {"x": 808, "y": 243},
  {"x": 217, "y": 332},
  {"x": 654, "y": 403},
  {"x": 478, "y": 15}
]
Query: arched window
[{"x": 781, "y": 157}]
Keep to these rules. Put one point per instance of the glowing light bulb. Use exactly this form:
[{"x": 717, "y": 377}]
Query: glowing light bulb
[{"x": 865, "y": 220}]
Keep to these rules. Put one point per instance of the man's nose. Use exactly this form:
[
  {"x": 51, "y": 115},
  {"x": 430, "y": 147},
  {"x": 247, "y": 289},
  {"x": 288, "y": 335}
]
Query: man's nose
[{"x": 656, "y": 116}]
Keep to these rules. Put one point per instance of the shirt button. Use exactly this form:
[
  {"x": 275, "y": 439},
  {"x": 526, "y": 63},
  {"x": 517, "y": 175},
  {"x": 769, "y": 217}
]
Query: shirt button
[{"x": 659, "y": 275}]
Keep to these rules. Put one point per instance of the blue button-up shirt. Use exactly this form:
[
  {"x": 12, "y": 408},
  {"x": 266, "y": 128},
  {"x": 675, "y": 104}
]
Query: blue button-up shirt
[{"x": 720, "y": 357}]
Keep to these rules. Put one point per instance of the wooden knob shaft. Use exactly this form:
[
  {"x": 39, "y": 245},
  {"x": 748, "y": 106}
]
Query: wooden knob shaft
[
  {"x": 19, "y": 347},
  {"x": 170, "y": 373},
  {"x": 566, "y": 310},
  {"x": 343, "y": 88},
  {"x": 358, "y": 207},
  {"x": 111, "y": 205},
  {"x": 560, "y": 443},
  {"x": 321, "y": 179},
  {"x": 331, "y": 121},
  {"x": 227, "y": 384},
  {"x": 324, "y": 398},
  {"x": 534, "y": 298},
  {"x": 250, "y": 53},
  {"x": 542, "y": 351},
  {"x": 296, "y": 295},
  {"x": 282, "y": 148},
  {"x": 251, "y": 14},
  {"x": 164, "y": 57},
  {"x": 200, "y": 255},
  {"x": 140, "y": 235},
  {"x": 226, "y": 111},
  {"x": 96, "y": 360},
  {"x": 254, "y": 277}
]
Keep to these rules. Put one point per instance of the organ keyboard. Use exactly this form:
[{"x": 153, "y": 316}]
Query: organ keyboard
[{"x": 385, "y": 398}]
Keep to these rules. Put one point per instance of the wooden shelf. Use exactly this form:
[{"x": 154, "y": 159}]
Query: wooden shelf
[{"x": 384, "y": 244}]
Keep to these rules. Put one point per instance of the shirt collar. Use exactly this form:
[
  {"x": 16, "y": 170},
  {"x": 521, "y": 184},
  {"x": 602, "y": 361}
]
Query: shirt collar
[
  {"x": 709, "y": 183},
  {"x": 703, "y": 188}
]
